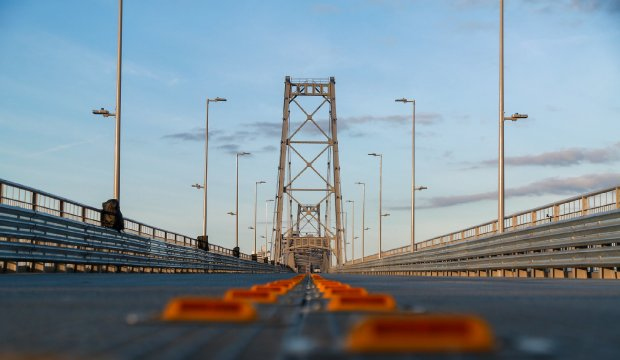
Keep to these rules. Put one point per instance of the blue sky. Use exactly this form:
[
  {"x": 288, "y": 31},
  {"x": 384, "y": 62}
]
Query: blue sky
[{"x": 58, "y": 62}]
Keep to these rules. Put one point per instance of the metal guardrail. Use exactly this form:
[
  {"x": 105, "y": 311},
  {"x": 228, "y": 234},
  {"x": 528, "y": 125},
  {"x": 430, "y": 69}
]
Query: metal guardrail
[
  {"x": 574, "y": 207},
  {"x": 576, "y": 247},
  {"x": 36, "y": 226}
]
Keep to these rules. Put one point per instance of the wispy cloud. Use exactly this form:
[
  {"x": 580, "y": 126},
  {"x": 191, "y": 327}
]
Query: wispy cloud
[
  {"x": 325, "y": 9},
  {"x": 229, "y": 148},
  {"x": 575, "y": 5},
  {"x": 550, "y": 186},
  {"x": 272, "y": 130},
  {"x": 58, "y": 148},
  {"x": 550, "y": 5},
  {"x": 562, "y": 158}
]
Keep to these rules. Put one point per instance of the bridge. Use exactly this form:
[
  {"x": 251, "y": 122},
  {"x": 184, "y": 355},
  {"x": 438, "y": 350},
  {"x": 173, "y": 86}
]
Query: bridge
[{"x": 537, "y": 289}]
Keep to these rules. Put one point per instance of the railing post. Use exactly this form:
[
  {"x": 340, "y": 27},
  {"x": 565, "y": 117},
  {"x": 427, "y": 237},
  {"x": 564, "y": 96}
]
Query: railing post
[
  {"x": 84, "y": 215},
  {"x": 514, "y": 222},
  {"x": 556, "y": 212},
  {"x": 534, "y": 218},
  {"x": 584, "y": 205},
  {"x": 34, "y": 201},
  {"x": 61, "y": 208},
  {"x": 2, "y": 193}
]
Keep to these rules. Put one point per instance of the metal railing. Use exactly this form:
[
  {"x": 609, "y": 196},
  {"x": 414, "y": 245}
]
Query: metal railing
[
  {"x": 579, "y": 247},
  {"x": 13, "y": 195},
  {"x": 574, "y": 207}
]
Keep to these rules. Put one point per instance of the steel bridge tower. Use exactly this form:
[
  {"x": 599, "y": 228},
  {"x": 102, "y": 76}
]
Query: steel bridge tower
[{"x": 309, "y": 194}]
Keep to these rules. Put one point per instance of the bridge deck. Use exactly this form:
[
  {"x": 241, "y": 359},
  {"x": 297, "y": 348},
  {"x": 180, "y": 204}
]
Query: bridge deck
[{"x": 111, "y": 316}]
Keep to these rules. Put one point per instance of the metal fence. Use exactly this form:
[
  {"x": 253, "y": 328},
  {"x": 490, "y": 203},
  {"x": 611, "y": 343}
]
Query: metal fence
[
  {"x": 38, "y": 226},
  {"x": 582, "y": 242},
  {"x": 578, "y": 206}
]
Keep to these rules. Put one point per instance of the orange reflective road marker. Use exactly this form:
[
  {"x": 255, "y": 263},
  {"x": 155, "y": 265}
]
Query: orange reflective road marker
[
  {"x": 208, "y": 310},
  {"x": 257, "y": 296},
  {"x": 372, "y": 302},
  {"x": 277, "y": 289},
  {"x": 332, "y": 292},
  {"x": 421, "y": 333}
]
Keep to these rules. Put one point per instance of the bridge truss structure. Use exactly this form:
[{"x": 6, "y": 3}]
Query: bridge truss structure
[{"x": 309, "y": 198}]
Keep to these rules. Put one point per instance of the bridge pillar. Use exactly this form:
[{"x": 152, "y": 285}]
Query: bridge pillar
[
  {"x": 557, "y": 273},
  {"x": 609, "y": 273},
  {"x": 579, "y": 273},
  {"x": 10, "y": 266},
  {"x": 38, "y": 267},
  {"x": 538, "y": 273}
]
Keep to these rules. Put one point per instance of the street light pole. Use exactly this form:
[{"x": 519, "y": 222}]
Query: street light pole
[
  {"x": 344, "y": 237},
  {"x": 206, "y": 176},
  {"x": 502, "y": 118},
  {"x": 352, "y": 229},
  {"x": 380, "y": 196},
  {"x": 255, "y": 205},
  {"x": 412, "y": 236},
  {"x": 363, "y": 214},
  {"x": 237, "y": 203},
  {"x": 266, "y": 216},
  {"x": 117, "y": 135},
  {"x": 117, "y": 113}
]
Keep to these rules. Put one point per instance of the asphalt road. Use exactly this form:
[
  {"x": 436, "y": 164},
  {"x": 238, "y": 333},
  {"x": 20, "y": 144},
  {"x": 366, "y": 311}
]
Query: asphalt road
[{"x": 114, "y": 316}]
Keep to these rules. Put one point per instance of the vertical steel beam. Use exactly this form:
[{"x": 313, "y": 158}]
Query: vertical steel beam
[
  {"x": 336, "y": 164},
  {"x": 282, "y": 169}
]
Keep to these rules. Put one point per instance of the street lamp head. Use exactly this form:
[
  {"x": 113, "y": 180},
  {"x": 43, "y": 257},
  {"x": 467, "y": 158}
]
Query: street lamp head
[
  {"x": 360, "y": 183},
  {"x": 197, "y": 186},
  {"x": 367, "y": 228},
  {"x": 260, "y": 182},
  {"x": 519, "y": 116},
  {"x": 350, "y": 201},
  {"x": 386, "y": 214},
  {"x": 421, "y": 188},
  {"x": 270, "y": 200},
  {"x": 103, "y": 112},
  {"x": 231, "y": 213},
  {"x": 374, "y": 154},
  {"x": 243, "y": 153},
  {"x": 219, "y": 99}
]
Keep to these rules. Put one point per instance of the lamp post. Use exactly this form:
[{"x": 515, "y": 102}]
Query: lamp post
[
  {"x": 344, "y": 237},
  {"x": 352, "y": 229},
  {"x": 363, "y": 214},
  {"x": 205, "y": 183},
  {"x": 266, "y": 212},
  {"x": 255, "y": 205},
  {"x": 412, "y": 236},
  {"x": 380, "y": 195},
  {"x": 117, "y": 114},
  {"x": 236, "y": 213},
  {"x": 502, "y": 118}
]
